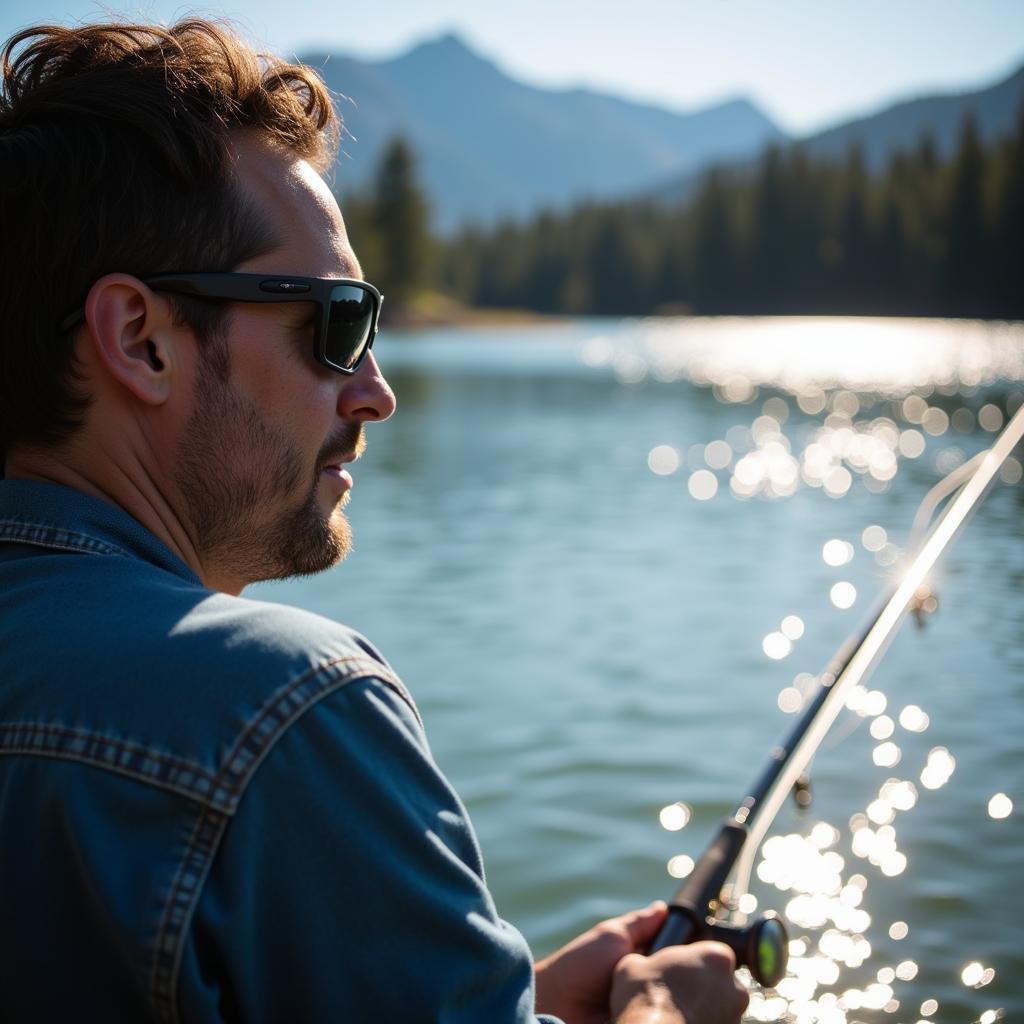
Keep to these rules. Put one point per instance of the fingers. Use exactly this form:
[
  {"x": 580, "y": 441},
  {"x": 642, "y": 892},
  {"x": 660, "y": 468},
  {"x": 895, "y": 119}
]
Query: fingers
[
  {"x": 641, "y": 926},
  {"x": 715, "y": 957},
  {"x": 717, "y": 962},
  {"x": 696, "y": 980}
]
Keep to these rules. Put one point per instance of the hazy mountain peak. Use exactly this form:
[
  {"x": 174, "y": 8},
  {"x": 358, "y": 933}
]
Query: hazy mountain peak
[
  {"x": 448, "y": 48},
  {"x": 490, "y": 145}
]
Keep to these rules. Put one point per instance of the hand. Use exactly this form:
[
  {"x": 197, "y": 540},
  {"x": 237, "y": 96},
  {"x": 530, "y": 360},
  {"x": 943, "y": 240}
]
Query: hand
[
  {"x": 691, "y": 984},
  {"x": 575, "y": 982}
]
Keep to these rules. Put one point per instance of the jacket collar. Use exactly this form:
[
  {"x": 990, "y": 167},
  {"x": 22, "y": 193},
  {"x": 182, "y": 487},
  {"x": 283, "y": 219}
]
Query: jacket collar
[{"x": 61, "y": 518}]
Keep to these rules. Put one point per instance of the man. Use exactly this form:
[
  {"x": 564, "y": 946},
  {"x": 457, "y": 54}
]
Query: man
[{"x": 213, "y": 808}]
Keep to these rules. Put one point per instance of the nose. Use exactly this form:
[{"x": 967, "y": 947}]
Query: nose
[{"x": 366, "y": 395}]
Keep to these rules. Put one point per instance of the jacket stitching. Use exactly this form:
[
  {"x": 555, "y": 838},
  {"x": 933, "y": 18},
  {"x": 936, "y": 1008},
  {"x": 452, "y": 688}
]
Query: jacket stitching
[
  {"x": 55, "y": 537},
  {"x": 188, "y": 882},
  {"x": 37, "y": 739},
  {"x": 278, "y": 715},
  {"x": 218, "y": 790},
  {"x": 274, "y": 716}
]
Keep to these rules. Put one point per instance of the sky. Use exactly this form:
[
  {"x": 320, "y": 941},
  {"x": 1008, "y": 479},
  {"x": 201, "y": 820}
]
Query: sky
[{"x": 808, "y": 64}]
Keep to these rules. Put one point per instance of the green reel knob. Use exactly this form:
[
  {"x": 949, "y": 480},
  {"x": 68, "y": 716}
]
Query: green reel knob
[{"x": 762, "y": 946}]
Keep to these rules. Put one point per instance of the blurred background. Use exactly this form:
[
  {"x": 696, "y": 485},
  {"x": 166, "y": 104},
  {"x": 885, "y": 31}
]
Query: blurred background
[
  {"x": 688, "y": 306},
  {"x": 699, "y": 158}
]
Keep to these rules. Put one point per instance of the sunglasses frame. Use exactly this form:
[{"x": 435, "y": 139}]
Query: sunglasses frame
[{"x": 233, "y": 287}]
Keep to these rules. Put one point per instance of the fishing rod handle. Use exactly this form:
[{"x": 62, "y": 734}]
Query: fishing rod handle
[
  {"x": 702, "y": 888},
  {"x": 680, "y": 928},
  {"x": 698, "y": 895}
]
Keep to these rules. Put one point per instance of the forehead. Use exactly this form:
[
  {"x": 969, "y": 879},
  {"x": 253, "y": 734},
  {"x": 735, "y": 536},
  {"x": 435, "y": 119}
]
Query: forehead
[{"x": 301, "y": 210}]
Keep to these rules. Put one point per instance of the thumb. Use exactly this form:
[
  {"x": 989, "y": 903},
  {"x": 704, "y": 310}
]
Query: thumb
[{"x": 643, "y": 925}]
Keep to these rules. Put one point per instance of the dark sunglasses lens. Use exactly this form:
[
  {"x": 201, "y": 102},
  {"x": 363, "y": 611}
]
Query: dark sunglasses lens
[{"x": 349, "y": 325}]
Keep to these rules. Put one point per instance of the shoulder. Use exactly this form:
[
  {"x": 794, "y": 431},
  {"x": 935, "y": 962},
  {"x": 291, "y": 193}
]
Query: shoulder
[
  {"x": 238, "y": 637},
  {"x": 144, "y": 664},
  {"x": 255, "y": 668}
]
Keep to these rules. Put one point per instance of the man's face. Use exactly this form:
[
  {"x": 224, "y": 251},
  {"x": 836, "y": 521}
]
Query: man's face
[{"x": 259, "y": 462}]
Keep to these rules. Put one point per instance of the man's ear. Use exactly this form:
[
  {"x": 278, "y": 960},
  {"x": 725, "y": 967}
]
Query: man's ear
[{"x": 134, "y": 336}]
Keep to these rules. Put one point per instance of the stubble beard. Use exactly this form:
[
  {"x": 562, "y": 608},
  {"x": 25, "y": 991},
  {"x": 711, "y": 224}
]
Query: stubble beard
[{"x": 239, "y": 478}]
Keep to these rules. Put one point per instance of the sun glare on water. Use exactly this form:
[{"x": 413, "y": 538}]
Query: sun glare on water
[{"x": 837, "y": 406}]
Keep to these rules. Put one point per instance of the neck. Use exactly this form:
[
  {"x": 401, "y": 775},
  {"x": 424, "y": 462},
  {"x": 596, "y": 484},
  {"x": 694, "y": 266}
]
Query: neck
[{"x": 140, "y": 493}]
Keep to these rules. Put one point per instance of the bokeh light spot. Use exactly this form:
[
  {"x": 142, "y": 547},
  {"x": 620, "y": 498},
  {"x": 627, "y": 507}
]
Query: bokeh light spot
[
  {"x": 886, "y": 755},
  {"x": 1000, "y": 806},
  {"x": 882, "y": 727},
  {"x": 938, "y": 769},
  {"x": 836, "y": 552},
  {"x": 680, "y": 865},
  {"x": 674, "y": 817},
  {"x": 663, "y": 460},
  {"x": 990, "y": 418},
  {"x": 974, "y": 974},
  {"x": 790, "y": 700},
  {"x": 912, "y": 444},
  {"x": 906, "y": 970},
  {"x": 718, "y": 454},
  {"x": 873, "y": 538},
  {"x": 838, "y": 482},
  {"x": 914, "y": 407},
  {"x": 1011, "y": 471},
  {"x": 913, "y": 719},
  {"x": 935, "y": 421},
  {"x": 702, "y": 485},
  {"x": 962, "y": 420},
  {"x": 793, "y": 627},
  {"x": 777, "y": 408},
  {"x": 776, "y": 646}
]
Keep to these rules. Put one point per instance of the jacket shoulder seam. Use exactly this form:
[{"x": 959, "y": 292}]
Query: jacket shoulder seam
[{"x": 261, "y": 734}]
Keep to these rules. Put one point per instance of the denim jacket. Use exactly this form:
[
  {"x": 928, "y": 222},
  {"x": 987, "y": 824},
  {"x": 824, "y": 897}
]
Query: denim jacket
[{"x": 216, "y": 809}]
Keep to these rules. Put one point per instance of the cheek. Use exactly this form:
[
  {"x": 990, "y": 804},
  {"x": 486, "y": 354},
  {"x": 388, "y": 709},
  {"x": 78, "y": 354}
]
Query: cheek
[
  {"x": 283, "y": 383},
  {"x": 291, "y": 394}
]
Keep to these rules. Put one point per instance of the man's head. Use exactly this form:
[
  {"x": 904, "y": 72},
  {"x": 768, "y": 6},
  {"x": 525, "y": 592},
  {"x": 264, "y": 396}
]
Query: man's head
[{"x": 129, "y": 151}]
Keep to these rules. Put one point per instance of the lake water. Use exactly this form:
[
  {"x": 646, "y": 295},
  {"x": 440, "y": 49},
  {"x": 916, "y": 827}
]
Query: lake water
[{"x": 576, "y": 543}]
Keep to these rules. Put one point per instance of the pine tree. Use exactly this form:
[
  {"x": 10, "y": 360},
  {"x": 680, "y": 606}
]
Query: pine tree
[
  {"x": 400, "y": 221},
  {"x": 965, "y": 252}
]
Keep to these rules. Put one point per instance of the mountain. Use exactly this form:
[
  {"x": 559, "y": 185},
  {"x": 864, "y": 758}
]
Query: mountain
[
  {"x": 903, "y": 124},
  {"x": 491, "y": 147},
  {"x": 899, "y": 126}
]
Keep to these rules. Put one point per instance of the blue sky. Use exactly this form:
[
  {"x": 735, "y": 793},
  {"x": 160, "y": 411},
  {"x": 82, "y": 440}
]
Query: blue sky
[{"x": 808, "y": 63}]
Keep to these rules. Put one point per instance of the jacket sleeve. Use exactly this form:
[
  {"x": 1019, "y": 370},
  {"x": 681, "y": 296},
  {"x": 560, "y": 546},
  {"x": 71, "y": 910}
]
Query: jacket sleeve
[{"x": 349, "y": 887}]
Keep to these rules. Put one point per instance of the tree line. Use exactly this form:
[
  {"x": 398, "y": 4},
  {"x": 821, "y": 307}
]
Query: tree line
[{"x": 787, "y": 235}]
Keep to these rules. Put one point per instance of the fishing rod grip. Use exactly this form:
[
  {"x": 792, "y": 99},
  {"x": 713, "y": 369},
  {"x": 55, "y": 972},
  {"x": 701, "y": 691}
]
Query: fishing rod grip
[
  {"x": 680, "y": 928},
  {"x": 698, "y": 895}
]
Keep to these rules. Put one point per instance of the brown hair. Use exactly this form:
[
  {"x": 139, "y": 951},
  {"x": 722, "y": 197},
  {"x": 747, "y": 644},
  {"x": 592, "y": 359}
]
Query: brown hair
[{"x": 114, "y": 156}]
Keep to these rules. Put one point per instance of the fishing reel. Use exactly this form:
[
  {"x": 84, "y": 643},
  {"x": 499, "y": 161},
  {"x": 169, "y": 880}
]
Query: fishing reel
[{"x": 761, "y": 946}]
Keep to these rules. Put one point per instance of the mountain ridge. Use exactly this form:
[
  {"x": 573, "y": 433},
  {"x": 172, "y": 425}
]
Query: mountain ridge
[{"x": 491, "y": 147}]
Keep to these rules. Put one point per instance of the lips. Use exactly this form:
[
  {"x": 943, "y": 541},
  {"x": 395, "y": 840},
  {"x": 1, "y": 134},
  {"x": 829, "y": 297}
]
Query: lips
[
  {"x": 335, "y": 469},
  {"x": 338, "y": 461}
]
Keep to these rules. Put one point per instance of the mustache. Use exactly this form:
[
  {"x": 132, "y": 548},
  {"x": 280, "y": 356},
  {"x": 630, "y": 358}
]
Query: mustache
[{"x": 351, "y": 440}]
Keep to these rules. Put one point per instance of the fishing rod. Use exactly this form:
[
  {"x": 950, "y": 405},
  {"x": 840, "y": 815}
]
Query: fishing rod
[{"x": 763, "y": 945}]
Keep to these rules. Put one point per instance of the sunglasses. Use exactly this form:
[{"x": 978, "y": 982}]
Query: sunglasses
[{"x": 348, "y": 310}]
